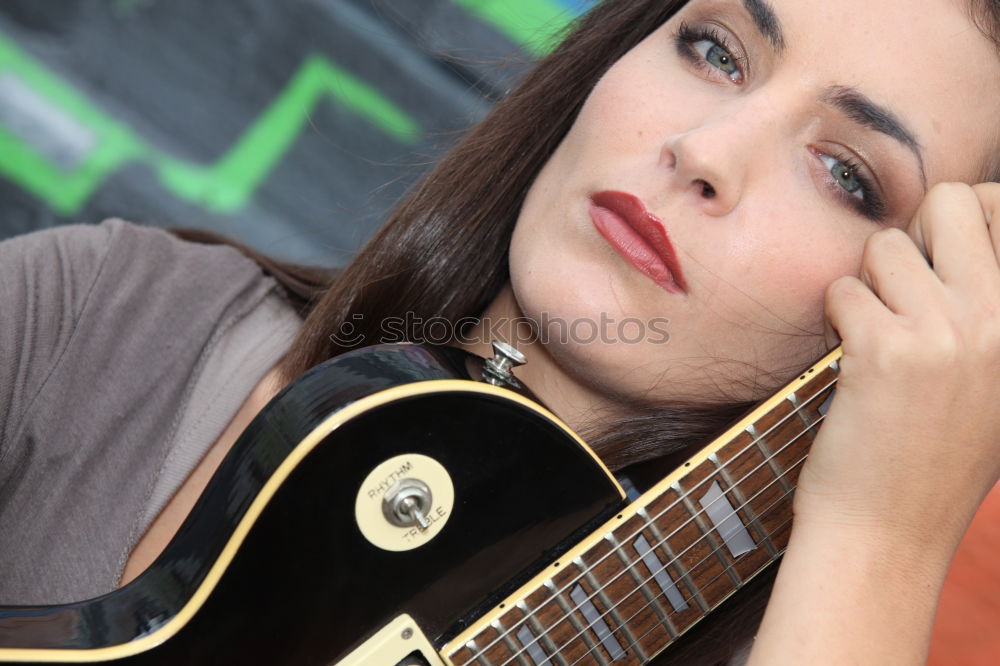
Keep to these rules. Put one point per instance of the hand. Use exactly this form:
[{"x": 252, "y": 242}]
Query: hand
[{"x": 911, "y": 443}]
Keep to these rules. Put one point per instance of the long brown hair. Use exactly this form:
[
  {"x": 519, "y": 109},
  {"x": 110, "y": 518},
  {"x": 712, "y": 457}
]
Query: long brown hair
[{"x": 443, "y": 253}]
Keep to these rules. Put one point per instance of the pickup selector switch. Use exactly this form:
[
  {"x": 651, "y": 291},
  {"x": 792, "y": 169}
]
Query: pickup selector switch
[
  {"x": 404, "y": 502},
  {"x": 407, "y": 503}
]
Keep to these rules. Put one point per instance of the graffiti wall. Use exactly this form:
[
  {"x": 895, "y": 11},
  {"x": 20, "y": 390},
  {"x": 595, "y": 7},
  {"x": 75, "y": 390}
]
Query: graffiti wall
[{"x": 293, "y": 124}]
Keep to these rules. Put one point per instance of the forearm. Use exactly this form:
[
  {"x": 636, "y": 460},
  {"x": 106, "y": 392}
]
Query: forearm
[
  {"x": 842, "y": 598},
  {"x": 908, "y": 448}
]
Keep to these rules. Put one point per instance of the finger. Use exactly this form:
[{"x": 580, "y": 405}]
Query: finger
[
  {"x": 894, "y": 268},
  {"x": 989, "y": 198},
  {"x": 950, "y": 228},
  {"x": 854, "y": 312}
]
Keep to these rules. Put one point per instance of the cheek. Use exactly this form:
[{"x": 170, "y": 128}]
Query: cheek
[
  {"x": 553, "y": 272},
  {"x": 788, "y": 267},
  {"x": 645, "y": 96}
]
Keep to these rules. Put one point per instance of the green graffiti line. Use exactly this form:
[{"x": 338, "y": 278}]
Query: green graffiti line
[
  {"x": 231, "y": 181},
  {"x": 536, "y": 25},
  {"x": 104, "y": 145}
]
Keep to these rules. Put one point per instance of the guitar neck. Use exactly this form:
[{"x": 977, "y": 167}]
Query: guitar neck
[{"x": 673, "y": 555}]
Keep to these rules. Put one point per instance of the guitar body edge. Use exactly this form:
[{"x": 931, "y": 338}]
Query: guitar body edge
[{"x": 298, "y": 579}]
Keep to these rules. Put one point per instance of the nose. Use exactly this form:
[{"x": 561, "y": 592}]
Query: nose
[{"x": 708, "y": 165}]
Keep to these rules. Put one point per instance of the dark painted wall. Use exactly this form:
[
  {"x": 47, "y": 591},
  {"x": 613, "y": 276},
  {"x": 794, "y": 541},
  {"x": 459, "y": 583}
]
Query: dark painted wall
[{"x": 293, "y": 124}]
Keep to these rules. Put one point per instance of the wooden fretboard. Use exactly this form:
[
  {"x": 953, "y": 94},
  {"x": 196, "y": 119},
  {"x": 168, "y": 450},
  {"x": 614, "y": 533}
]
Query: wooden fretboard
[{"x": 631, "y": 588}]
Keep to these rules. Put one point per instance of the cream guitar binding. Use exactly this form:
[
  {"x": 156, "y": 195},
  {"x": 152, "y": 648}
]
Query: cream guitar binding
[{"x": 524, "y": 550}]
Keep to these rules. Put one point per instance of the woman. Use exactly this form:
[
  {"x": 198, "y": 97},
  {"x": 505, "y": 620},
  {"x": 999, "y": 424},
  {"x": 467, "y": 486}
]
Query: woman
[{"x": 784, "y": 146}]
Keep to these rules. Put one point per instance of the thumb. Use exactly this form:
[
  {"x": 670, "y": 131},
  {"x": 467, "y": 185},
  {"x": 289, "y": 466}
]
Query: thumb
[{"x": 830, "y": 335}]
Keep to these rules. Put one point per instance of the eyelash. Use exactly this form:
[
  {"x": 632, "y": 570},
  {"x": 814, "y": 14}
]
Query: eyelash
[
  {"x": 687, "y": 35},
  {"x": 870, "y": 205}
]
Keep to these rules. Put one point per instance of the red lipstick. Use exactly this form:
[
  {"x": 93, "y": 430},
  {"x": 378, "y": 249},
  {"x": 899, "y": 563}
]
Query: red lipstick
[{"x": 639, "y": 236}]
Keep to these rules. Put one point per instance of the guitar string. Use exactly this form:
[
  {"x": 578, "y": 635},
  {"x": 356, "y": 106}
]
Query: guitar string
[
  {"x": 664, "y": 567},
  {"x": 656, "y": 626},
  {"x": 650, "y": 520},
  {"x": 653, "y": 518},
  {"x": 725, "y": 570}
]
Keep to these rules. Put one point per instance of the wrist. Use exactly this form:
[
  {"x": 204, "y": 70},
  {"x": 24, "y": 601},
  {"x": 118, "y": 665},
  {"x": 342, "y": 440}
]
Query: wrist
[
  {"x": 893, "y": 530},
  {"x": 841, "y": 579},
  {"x": 875, "y": 564}
]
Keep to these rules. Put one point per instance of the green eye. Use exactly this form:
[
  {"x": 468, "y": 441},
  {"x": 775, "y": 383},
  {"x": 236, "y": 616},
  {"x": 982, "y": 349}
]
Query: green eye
[
  {"x": 718, "y": 57},
  {"x": 844, "y": 175}
]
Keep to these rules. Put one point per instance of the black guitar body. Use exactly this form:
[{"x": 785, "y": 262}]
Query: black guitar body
[{"x": 305, "y": 586}]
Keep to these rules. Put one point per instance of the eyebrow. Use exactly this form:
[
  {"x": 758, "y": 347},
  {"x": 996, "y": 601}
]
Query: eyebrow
[
  {"x": 854, "y": 104},
  {"x": 859, "y": 108},
  {"x": 767, "y": 22}
]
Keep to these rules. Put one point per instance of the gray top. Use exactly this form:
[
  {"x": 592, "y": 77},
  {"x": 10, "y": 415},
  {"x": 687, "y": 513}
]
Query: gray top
[{"x": 124, "y": 353}]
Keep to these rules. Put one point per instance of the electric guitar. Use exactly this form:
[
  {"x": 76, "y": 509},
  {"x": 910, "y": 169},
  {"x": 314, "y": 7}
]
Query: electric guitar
[{"x": 406, "y": 504}]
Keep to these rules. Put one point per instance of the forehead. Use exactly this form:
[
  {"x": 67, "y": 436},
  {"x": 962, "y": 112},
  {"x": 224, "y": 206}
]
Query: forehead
[{"x": 928, "y": 63}]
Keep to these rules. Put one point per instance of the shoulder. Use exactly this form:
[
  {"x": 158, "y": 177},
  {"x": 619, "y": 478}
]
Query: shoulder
[
  {"x": 89, "y": 244},
  {"x": 82, "y": 252},
  {"x": 72, "y": 259},
  {"x": 63, "y": 261},
  {"x": 90, "y": 295}
]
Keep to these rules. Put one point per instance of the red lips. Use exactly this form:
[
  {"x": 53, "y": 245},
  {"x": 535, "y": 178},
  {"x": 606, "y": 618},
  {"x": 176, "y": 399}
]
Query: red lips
[{"x": 639, "y": 236}]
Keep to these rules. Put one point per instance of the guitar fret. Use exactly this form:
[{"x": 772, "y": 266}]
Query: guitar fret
[
  {"x": 788, "y": 440},
  {"x": 580, "y": 629},
  {"x": 541, "y": 636},
  {"x": 652, "y": 597},
  {"x": 691, "y": 545},
  {"x": 727, "y": 521},
  {"x": 531, "y": 649},
  {"x": 706, "y": 531},
  {"x": 660, "y": 573},
  {"x": 612, "y": 614},
  {"x": 781, "y": 438},
  {"x": 480, "y": 657},
  {"x": 597, "y": 622},
  {"x": 682, "y": 573},
  {"x": 513, "y": 647},
  {"x": 616, "y": 593},
  {"x": 802, "y": 411},
  {"x": 744, "y": 505},
  {"x": 765, "y": 450},
  {"x": 753, "y": 495}
]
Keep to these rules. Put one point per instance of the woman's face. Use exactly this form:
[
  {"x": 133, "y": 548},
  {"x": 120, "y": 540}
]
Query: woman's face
[{"x": 770, "y": 137}]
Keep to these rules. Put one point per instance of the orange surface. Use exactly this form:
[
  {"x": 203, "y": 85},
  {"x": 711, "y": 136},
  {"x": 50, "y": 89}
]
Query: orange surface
[{"x": 967, "y": 628}]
